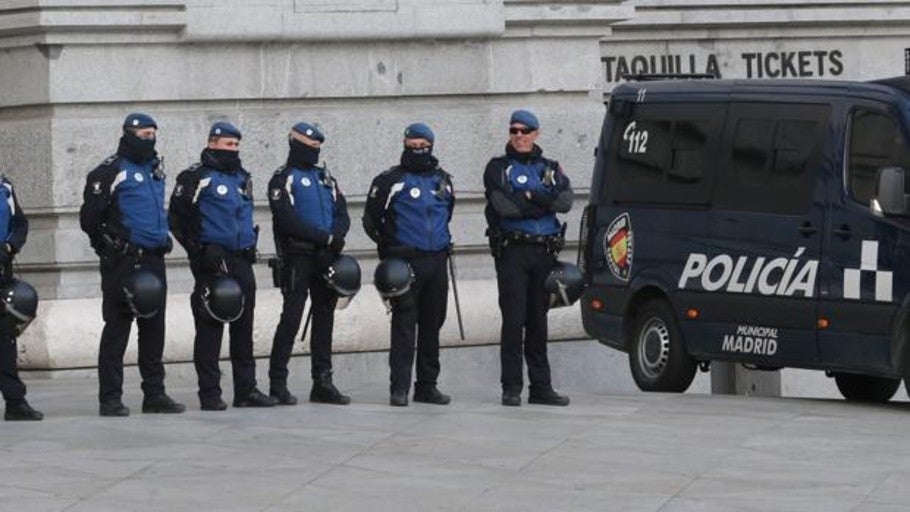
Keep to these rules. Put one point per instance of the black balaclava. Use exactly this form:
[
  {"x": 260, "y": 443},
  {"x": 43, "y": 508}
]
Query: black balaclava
[
  {"x": 419, "y": 160},
  {"x": 136, "y": 149},
  {"x": 302, "y": 155},
  {"x": 226, "y": 160}
]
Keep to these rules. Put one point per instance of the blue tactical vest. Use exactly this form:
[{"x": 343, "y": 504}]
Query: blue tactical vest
[
  {"x": 312, "y": 197},
  {"x": 140, "y": 199},
  {"x": 7, "y": 210},
  {"x": 421, "y": 209},
  {"x": 526, "y": 176},
  {"x": 226, "y": 210}
]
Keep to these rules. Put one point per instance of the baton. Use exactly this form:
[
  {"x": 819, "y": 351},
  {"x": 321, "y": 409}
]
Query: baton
[
  {"x": 455, "y": 292},
  {"x": 306, "y": 325}
]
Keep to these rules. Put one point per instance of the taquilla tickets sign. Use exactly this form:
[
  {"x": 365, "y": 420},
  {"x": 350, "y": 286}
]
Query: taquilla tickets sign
[{"x": 810, "y": 58}]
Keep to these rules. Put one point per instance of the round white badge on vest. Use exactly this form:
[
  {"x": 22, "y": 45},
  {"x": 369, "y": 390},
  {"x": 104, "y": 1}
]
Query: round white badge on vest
[
  {"x": 139, "y": 177},
  {"x": 522, "y": 179},
  {"x": 305, "y": 181},
  {"x": 415, "y": 192},
  {"x": 222, "y": 190}
]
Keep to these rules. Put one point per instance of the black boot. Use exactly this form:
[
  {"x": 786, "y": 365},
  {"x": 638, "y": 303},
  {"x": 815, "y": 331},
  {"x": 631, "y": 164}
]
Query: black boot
[
  {"x": 283, "y": 396},
  {"x": 546, "y": 396},
  {"x": 431, "y": 395},
  {"x": 214, "y": 403},
  {"x": 113, "y": 408},
  {"x": 161, "y": 404},
  {"x": 21, "y": 411},
  {"x": 255, "y": 398},
  {"x": 398, "y": 398},
  {"x": 324, "y": 392},
  {"x": 511, "y": 398}
]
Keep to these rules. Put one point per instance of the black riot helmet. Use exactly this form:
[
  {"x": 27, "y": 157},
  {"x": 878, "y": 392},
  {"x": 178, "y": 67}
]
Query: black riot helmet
[
  {"x": 564, "y": 284},
  {"x": 393, "y": 278},
  {"x": 222, "y": 299},
  {"x": 20, "y": 305},
  {"x": 343, "y": 277},
  {"x": 144, "y": 293}
]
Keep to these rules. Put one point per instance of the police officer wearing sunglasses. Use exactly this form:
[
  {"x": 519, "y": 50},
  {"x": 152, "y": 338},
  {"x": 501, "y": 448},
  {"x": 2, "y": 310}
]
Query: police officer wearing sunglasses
[
  {"x": 124, "y": 217},
  {"x": 524, "y": 192}
]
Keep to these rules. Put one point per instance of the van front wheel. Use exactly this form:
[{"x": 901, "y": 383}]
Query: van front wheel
[
  {"x": 658, "y": 358},
  {"x": 866, "y": 388}
]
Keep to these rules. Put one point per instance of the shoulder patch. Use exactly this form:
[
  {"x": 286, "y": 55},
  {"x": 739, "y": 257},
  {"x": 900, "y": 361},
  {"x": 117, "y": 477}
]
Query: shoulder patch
[
  {"x": 281, "y": 169},
  {"x": 110, "y": 160}
]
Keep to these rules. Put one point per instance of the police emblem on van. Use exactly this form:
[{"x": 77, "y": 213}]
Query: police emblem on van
[{"x": 618, "y": 247}]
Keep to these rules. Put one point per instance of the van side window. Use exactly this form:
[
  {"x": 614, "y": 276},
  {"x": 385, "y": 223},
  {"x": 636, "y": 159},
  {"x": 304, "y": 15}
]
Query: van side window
[
  {"x": 875, "y": 142},
  {"x": 773, "y": 149},
  {"x": 663, "y": 154}
]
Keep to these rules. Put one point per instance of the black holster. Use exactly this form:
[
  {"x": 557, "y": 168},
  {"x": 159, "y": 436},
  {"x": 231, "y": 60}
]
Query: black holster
[
  {"x": 277, "y": 265},
  {"x": 497, "y": 242}
]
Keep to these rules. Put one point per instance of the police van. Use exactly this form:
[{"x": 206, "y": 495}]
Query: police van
[{"x": 760, "y": 222}]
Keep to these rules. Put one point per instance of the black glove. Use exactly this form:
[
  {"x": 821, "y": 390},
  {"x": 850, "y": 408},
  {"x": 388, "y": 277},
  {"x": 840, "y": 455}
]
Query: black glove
[
  {"x": 212, "y": 259},
  {"x": 168, "y": 246},
  {"x": 6, "y": 262},
  {"x": 251, "y": 255},
  {"x": 324, "y": 258},
  {"x": 113, "y": 246},
  {"x": 337, "y": 245},
  {"x": 544, "y": 201}
]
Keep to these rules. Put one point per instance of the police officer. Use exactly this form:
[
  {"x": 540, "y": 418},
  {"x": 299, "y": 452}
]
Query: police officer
[
  {"x": 124, "y": 217},
  {"x": 524, "y": 193},
  {"x": 407, "y": 214},
  {"x": 211, "y": 215},
  {"x": 310, "y": 220},
  {"x": 13, "y": 231}
]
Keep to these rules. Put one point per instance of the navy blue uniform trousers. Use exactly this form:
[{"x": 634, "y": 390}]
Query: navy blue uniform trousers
[
  {"x": 520, "y": 274},
  {"x": 418, "y": 316},
  {"x": 207, "y": 344}
]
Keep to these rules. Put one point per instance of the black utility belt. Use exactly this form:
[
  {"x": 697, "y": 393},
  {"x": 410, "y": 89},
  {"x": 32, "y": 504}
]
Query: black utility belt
[
  {"x": 294, "y": 246},
  {"x": 153, "y": 251},
  {"x": 524, "y": 239}
]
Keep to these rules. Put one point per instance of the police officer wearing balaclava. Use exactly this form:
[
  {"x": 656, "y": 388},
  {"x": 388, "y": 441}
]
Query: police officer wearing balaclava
[
  {"x": 407, "y": 214},
  {"x": 309, "y": 220},
  {"x": 13, "y": 232},
  {"x": 124, "y": 216},
  {"x": 524, "y": 192},
  {"x": 211, "y": 215}
]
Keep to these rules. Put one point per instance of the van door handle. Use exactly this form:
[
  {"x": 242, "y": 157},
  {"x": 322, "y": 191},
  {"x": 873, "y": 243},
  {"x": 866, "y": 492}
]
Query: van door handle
[
  {"x": 806, "y": 228},
  {"x": 843, "y": 231}
]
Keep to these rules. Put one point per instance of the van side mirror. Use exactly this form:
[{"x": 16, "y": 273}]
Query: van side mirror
[{"x": 890, "y": 195}]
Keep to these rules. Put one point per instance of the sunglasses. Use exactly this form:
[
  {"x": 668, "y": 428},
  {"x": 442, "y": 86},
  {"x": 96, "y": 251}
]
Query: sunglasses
[{"x": 523, "y": 131}]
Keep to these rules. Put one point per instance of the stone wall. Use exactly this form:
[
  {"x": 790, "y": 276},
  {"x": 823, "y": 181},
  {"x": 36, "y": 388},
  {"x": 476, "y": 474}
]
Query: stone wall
[{"x": 71, "y": 70}]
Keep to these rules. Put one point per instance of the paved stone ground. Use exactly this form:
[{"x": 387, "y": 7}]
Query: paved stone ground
[{"x": 607, "y": 451}]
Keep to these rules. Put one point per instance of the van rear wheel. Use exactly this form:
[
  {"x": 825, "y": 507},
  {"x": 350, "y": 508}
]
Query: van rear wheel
[
  {"x": 866, "y": 388},
  {"x": 658, "y": 358}
]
